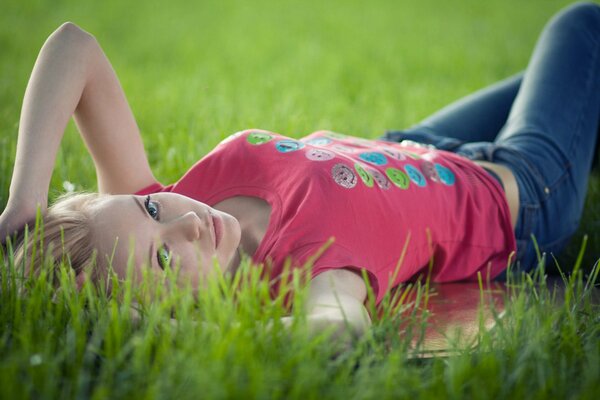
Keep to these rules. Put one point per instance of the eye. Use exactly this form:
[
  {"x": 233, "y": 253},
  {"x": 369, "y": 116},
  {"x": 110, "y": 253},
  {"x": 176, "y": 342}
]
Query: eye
[
  {"x": 164, "y": 256},
  {"x": 152, "y": 208}
]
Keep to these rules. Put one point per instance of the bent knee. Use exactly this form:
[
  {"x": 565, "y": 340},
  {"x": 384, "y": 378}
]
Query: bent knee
[{"x": 583, "y": 15}]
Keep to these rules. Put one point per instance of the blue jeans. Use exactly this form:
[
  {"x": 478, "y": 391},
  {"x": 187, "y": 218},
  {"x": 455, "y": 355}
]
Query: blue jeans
[{"x": 542, "y": 124}]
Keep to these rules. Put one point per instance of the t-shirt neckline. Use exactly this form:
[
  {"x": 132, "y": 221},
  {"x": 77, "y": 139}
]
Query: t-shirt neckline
[{"x": 271, "y": 198}]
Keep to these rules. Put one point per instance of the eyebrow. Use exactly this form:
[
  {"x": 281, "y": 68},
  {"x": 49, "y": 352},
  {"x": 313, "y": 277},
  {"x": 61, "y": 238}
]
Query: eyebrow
[{"x": 143, "y": 209}]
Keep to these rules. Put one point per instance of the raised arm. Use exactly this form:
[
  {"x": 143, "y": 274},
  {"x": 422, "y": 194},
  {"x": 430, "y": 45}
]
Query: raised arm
[{"x": 72, "y": 76}]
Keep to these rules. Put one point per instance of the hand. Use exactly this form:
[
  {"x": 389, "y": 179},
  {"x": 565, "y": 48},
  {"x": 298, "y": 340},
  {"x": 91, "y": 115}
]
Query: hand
[{"x": 13, "y": 221}]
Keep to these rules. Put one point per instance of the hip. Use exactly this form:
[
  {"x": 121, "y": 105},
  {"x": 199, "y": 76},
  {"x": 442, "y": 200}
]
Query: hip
[{"x": 509, "y": 183}]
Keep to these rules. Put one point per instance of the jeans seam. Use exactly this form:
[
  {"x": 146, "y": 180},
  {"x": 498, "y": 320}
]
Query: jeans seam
[{"x": 551, "y": 188}]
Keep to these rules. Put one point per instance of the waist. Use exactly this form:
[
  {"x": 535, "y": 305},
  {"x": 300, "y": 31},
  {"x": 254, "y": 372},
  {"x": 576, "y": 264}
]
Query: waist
[
  {"x": 494, "y": 175},
  {"x": 508, "y": 182}
]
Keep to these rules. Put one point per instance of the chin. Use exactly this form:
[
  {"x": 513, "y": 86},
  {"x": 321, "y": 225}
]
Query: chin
[
  {"x": 232, "y": 241},
  {"x": 236, "y": 233}
]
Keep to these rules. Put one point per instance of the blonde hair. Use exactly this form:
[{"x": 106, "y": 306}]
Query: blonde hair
[{"x": 65, "y": 236}]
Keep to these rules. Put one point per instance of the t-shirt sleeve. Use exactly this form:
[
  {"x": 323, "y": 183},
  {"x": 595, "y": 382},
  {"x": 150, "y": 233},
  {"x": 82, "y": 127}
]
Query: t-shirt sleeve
[{"x": 334, "y": 257}]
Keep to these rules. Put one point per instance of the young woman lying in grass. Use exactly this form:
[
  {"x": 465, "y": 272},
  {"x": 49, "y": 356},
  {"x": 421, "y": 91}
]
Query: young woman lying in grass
[{"x": 455, "y": 197}]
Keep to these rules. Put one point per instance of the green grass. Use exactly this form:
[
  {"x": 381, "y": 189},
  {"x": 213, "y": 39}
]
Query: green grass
[
  {"x": 229, "y": 343},
  {"x": 195, "y": 73}
]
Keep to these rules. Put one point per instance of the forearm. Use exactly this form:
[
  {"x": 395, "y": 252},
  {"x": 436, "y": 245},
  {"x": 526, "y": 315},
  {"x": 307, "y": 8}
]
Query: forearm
[
  {"x": 73, "y": 77},
  {"x": 336, "y": 302},
  {"x": 51, "y": 96},
  {"x": 349, "y": 327}
]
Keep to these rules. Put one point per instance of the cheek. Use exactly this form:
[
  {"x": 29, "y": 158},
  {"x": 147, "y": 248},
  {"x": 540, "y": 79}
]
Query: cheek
[
  {"x": 121, "y": 265},
  {"x": 194, "y": 266}
]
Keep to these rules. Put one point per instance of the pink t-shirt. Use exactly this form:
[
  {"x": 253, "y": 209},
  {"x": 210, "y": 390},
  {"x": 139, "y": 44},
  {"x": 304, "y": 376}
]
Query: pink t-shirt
[{"x": 374, "y": 198}]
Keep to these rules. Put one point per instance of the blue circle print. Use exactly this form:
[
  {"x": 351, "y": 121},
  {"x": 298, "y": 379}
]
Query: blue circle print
[
  {"x": 415, "y": 175},
  {"x": 373, "y": 158},
  {"x": 446, "y": 176},
  {"x": 286, "y": 146}
]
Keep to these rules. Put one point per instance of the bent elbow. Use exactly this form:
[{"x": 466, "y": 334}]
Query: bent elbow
[{"x": 72, "y": 33}]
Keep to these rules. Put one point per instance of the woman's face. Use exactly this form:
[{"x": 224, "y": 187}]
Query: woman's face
[{"x": 165, "y": 229}]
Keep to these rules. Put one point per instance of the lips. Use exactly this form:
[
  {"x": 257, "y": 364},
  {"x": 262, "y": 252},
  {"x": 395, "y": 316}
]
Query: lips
[{"x": 217, "y": 228}]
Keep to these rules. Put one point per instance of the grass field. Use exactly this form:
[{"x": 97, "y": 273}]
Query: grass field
[{"x": 195, "y": 72}]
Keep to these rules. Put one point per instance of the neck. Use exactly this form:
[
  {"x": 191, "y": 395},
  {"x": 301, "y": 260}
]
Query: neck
[
  {"x": 252, "y": 234},
  {"x": 253, "y": 215}
]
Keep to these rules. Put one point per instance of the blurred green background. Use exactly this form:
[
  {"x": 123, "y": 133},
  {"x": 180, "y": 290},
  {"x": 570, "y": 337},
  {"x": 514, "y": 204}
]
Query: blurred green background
[{"x": 195, "y": 72}]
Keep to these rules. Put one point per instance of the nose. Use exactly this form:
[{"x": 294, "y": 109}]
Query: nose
[{"x": 188, "y": 226}]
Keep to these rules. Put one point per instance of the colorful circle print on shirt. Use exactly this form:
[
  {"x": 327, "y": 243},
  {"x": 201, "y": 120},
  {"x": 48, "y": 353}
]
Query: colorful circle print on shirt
[
  {"x": 415, "y": 175},
  {"x": 259, "y": 138},
  {"x": 379, "y": 178},
  {"x": 319, "y": 141},
  {"x": 343, "y": 149},
  {"x": 446, "y": 176},
  {"x": 343, "y": 176},
  {"x": 395, "y": 154},
  {"x": 373, "y": 158},
  {"x": 364, "y": 175},
  {"x": 363, "y": 142},
  {"x": 286, "y": 145},
  {"x": 412, "y": 155},
  {"x": 429, "y": 171},
  {"x": 319, "y": 155},
  {"x": 398, "y": 177}
]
